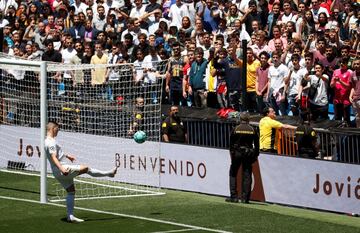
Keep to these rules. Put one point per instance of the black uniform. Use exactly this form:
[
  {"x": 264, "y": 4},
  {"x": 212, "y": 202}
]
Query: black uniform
[
  {"x": 244, "y": 149},
  {"x": 306, "y": 138},
  {"x": 174, "y": 129}
]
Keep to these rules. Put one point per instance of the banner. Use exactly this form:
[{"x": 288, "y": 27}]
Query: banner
[
  {"x": 279, "y": 179},
  {"x": 311, "y": 183},
  {"x": 180, "y": 167}
]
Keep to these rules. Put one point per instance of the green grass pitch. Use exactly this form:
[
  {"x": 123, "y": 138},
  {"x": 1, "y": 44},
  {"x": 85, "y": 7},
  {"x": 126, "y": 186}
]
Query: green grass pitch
[{"x": 175, "y": 211}]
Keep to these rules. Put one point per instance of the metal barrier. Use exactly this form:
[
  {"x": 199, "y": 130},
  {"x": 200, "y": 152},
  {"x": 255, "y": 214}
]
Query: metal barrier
[{"x": 337, "y": 144}]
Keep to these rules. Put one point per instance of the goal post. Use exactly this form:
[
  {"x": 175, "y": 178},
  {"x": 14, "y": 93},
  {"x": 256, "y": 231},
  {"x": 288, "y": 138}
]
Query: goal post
[
  {"x": 40, "y": 67},
  {"x": 99, "y": 108}
]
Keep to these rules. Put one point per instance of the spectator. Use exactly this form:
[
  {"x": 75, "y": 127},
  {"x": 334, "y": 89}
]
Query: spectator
[
  {"x": 78, "y": 75},
  {"x": 355, "y": 91},
  {"x": 143, "y": 46},
  {"x": 267, "y": 126},
  {"x": 262, "y": 79},
  {"x": 134, "y": 29},
  {"x": 99, "y": 20},
  {"x": 77, "y": 31},
  {"x": 173, "y": 129},
  {"x": 112, "y": 73},
  {"x": 98, "y": 74},
  {"x": 90, "y": 32},
  {"x": 232, "y": 70},
  {"x": 319, "y": 102},
  {"x": 316, "y": 9},
  {"x": 175, "y": 75},
  {"x": 340, "y": 82},
  {"x": 292, "y": 84},
  {"x": 250, "y": 15},
  {"x": 197, "y": 79},
  {"x": 67, "y": 53},
  {"x": 219, "y": 63},
  {"x": 272, "y": 19},
  {"x": 40, "y": 35},
  {"x": 177, "y": 12},
  {"x": 252, "y": 65},
  {"x": 276, "y": 85},
  {"x": 211, "y": 16}
]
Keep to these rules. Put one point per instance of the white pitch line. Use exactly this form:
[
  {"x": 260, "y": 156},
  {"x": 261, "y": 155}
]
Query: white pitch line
[
  {"x": 108, "y": 197},
  {"x": 181, "y": 230},
  {"x": 123, "y": 215},
  {"x": 145, "y": 192}
]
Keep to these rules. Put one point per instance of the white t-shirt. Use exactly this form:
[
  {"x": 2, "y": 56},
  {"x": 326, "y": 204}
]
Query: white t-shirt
[
  {"x": 139, "y": 70},
  {"x": 317, "y": 12},
  {"x": 67, "y": 55},
  {"x": 51, "y": 147},
  {"x": 321, "y": 97},
  {"x": 295, "y": 80},
  {"x": 276, "y": 77},
  {"x": 137, "y": 13},
  {"x": 176, "y": 14},
  {"x": 81, "y": 8},
  {"x": 150, "y": 62}
]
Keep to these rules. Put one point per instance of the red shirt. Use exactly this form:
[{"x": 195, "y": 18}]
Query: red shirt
[{"x": 341, "y": 93}]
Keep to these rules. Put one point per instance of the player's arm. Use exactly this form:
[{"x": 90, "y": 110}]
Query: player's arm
[
  {"x": 58, "y": 164},
  {"x": 70, "y": 157}
]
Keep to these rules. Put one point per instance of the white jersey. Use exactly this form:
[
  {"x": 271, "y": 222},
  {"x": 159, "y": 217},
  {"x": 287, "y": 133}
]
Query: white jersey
[
  {"x": 321, "y": 97},
  {"x": 295, "y": 80},
  {"x": 51, "y": 147},
  {"x": 276, "y": 76}
]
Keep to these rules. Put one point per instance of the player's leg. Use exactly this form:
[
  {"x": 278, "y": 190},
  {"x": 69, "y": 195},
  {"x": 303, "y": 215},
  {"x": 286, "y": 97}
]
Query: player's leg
[
  {"x": 70, "y": 203},
  {"x": 97, "y": 173}
]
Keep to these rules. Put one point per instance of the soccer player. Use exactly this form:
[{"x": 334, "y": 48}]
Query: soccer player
[{"x": 65, "y": 173}]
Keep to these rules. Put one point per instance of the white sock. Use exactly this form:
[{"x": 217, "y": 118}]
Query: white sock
[
  {"x": 97, "y": 173},
  {"x": 70, "y": 204}
]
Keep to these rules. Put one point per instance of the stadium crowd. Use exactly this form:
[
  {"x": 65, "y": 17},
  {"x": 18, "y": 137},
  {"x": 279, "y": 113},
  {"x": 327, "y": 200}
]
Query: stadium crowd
[{"x": 301, "y": 55}]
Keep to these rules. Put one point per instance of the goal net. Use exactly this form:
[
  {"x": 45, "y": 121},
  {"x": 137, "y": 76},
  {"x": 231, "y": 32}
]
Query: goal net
[{"x": 98, "y": 108}]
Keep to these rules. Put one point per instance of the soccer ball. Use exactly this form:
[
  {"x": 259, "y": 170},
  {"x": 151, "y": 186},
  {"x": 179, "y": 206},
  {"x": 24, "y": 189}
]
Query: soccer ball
[{"x": 140, "y": 136}]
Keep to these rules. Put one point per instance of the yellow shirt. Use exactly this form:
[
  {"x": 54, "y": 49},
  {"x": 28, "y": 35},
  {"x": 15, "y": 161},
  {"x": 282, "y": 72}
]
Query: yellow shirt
[
  {"x": 268, "y": 128},
  {"x": 251, "y": 75},
  {"x": 211, "y": 84},
  {"x": 98, "y": 74}
]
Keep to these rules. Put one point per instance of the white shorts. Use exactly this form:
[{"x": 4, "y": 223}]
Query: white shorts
[{"x": 68, "y": 180}]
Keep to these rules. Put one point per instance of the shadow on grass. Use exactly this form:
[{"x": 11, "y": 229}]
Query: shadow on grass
[
  {"x": 156, "y": 213},
  {"x": 95, "y": 219},
  {"x": 24, "y": 191}
]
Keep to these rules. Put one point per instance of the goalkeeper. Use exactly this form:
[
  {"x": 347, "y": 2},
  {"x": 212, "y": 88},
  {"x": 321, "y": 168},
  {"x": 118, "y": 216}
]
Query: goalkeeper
[{"x": 65, "y": 173}]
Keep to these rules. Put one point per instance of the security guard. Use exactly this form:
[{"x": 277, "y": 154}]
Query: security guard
[
  {"x": 173, "y": 128},
  {"x": 244, "y": 149},
  {"x": 306, "y": 138}
]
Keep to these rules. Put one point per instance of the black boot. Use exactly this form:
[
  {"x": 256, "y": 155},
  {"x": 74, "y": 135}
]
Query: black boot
[{"x": 233, "y": 192}]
